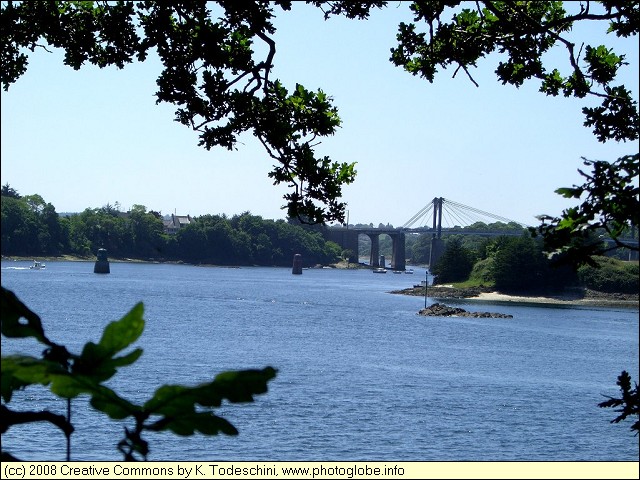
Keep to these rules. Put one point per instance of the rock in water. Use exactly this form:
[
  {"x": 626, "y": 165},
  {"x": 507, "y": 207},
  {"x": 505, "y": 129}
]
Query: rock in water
[{"x": 442, "y": 310}]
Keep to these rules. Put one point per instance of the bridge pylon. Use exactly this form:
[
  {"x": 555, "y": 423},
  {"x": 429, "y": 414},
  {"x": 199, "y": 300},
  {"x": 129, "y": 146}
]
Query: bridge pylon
[{"x": 437, "y": 244}]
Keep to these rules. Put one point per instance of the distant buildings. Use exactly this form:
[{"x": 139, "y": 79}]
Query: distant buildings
[{"x": 176, "y": 222}]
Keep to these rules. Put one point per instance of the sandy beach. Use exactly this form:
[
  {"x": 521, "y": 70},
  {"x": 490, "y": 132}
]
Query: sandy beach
[
  {"x": 576, "y": 297},
  {"x": 559, "y": 300}
]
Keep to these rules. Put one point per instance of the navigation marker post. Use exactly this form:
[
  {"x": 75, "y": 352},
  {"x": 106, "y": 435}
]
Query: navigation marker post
[{"x": 426, "y": 282}]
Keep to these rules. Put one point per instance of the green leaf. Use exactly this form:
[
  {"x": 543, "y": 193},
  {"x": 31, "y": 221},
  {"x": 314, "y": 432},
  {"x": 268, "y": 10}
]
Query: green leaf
[
  {"x": 19, "y": 371},
  {"x": 190, "y": 423},
  {"x": 240, "y": 386},
  {"x": 602, "y": 63},
  {"x": 569, "y": 192},
  {"x": 235, "y": 386},
  {"x": 122, "y": 333},
  {"x": 72, "y": 385},
  {"x": 12, "y": 310},
  {"x": 102, "y": 398},
  {"x": 552, "y": 83},
  {"x": 170, "y": 400},
  {"x": 127, "y": 359},
  {"x": 96, "y": 359},
  {"x": 210, "y": 424},
  {"x": 9, "y": 382},
  {"x": 107, "y": 401}
]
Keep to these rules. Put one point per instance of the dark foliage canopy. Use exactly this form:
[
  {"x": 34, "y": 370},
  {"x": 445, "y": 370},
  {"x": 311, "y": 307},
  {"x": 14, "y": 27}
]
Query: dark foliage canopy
[{"x": 222, "y": 86}]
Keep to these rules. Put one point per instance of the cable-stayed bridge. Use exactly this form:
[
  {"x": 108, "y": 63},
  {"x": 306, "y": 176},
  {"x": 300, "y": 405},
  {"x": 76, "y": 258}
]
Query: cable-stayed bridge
[{"x": 439, "y": 217}]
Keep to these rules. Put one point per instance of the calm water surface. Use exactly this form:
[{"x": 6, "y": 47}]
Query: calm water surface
[{"x": 360, "y": 375}]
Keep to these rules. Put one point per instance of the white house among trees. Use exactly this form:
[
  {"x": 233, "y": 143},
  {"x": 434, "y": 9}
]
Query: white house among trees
[{"x": 175, "y": 223}]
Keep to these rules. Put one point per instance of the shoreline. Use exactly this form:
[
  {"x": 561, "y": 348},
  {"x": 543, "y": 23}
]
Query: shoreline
[
  {"x": 570, "y": 298},
  {"x": 74, "y": 258},
  {"x": 556, "y": 301}
]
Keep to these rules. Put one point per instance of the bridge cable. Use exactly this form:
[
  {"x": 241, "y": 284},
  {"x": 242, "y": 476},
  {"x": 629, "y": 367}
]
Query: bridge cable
[
  {"x": 455, "y": 214},
  {"x": 459, "y": 212},
  {"x": 422, "y": 213},
  {"x": 490, "y": 215}
]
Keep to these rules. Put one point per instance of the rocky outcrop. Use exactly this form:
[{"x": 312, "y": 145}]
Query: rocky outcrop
[
  {"x": 437, "y": 291},
  {"x": 442, "y": 310}
]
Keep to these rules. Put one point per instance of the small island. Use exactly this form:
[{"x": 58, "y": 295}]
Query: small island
[{"x": 442, "y": 310}]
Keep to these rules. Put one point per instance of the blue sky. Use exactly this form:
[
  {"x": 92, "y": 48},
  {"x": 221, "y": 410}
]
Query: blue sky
[{"x": 94, "y": 137}]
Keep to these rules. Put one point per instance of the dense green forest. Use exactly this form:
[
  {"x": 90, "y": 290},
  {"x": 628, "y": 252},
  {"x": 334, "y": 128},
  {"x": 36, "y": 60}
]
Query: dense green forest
[
  {"x": 519, "y": 264},
  {"x": 32, "y": 227}
]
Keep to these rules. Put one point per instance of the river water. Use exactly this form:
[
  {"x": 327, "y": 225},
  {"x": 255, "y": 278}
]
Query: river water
[{"x": 360, "y": 377}]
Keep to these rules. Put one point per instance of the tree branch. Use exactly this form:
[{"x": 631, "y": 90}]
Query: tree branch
[
  {"x": 11, "y": 417},
  {"x": 467, "y": 72}
]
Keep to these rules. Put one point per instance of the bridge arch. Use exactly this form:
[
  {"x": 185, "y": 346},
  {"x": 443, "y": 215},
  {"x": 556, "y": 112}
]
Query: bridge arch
[{"x": 347, "y": 238}]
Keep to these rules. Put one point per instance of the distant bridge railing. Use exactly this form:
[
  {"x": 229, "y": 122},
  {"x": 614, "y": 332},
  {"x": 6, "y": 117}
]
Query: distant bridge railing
[{"x": 466, "y": 231}]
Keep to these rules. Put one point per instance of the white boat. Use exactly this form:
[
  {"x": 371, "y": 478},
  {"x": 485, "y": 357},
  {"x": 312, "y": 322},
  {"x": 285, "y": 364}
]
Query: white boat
[
  {"x": 37, "y": 265},
  {"x": 410, "y": 270},
  {"x": 380, "y": 270}
]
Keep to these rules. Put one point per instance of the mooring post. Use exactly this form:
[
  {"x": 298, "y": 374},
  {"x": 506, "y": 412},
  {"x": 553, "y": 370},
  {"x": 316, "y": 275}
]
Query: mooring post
[
  {"x": 102, "y": 263},
  {"x": 297, "y": 264},
  {"x": 426, "y": 282}
]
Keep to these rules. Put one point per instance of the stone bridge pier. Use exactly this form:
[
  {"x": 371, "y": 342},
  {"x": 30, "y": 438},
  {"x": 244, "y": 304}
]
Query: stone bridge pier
[
  {"x": 398, "y": 254},
  {"x": 348, "y": 240},
  {"x": 374, "y": 258}
]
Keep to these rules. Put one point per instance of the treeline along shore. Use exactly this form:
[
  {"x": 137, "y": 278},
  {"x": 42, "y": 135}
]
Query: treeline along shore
[
  {"x": 516, "y": 268},
  {"x": 31, "y": 227}
]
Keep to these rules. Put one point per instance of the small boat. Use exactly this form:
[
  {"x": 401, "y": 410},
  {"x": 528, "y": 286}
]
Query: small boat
[
  {"x": 409, "y": 270},
  {"x": 37, "y": 265},
  {"x": 380, "y": 270},
  {"x": 397, "y": 271}
]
